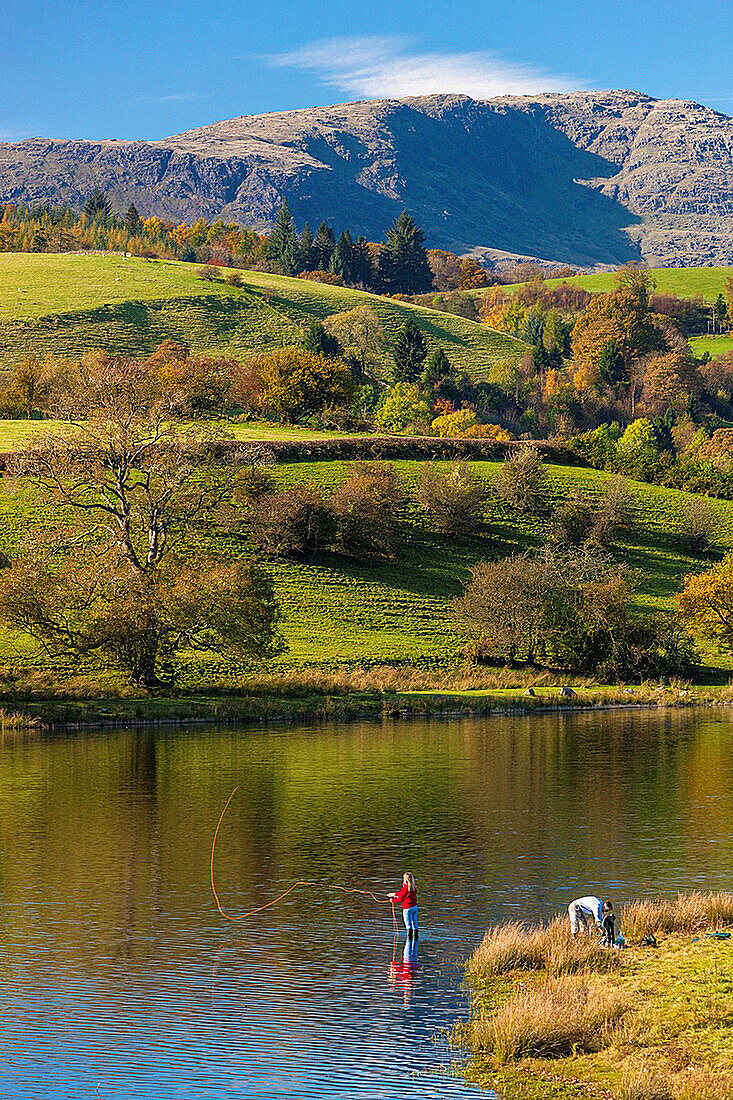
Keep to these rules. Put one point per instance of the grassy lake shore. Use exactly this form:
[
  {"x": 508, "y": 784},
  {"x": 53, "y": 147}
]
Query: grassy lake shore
[
  {"x": 301, "y": 699},
  {"x": 556, "y": 1018}
]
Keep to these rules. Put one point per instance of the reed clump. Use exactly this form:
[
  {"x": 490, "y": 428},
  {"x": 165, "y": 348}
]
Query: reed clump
[
  {"x": 638, "y": 1082},
  {"x": 698, "y": 911},
  {"x": 512, "y": 947},
  {"x": 559, "y": 1017}
]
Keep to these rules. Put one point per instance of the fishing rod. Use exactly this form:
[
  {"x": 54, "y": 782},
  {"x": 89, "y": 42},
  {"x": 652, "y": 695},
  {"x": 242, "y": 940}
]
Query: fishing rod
[{"x": 295, "y": 885}]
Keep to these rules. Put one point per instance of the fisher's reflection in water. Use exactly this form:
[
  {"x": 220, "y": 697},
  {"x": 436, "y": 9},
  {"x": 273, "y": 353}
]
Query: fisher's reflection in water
[{"x": 402, "y": 970}]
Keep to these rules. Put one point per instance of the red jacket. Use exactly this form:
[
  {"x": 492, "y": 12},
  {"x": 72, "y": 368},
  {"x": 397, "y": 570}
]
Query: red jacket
[{"x": 407, "y": 897}]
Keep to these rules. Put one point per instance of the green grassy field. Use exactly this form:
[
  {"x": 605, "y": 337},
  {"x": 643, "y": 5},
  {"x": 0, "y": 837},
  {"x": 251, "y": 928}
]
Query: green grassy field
[
  {"x": 16, "y": 434},
  {"x": 714, "y": 345},
  {"x": 66, "y": 304},
  {"x": 684, "y": 282},
  {"x": 339, "y": 614}
]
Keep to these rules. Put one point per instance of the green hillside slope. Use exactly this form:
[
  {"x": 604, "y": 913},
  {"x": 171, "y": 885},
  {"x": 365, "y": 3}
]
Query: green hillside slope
[
  {"x": 337, "y": 613},
  {"x": 684, "y": 282},
  {"x": 65, "y": 304}
]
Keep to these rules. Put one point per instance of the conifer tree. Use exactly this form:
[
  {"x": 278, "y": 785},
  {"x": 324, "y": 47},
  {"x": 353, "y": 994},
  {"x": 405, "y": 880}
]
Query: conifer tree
[
  {"x": 324, "y": 245},
  {"x": 362, "y": 269},
  {"x": 307, "y": 254},
  {"x": 283, "y": 246},
  {"x": 437, "y": 369},
  {"x": 132, "y": 219},
  {"x": 409, "y": 352},
  {"x": 404, "y": 265},
  {"x": 341, "y": 258},
  {"x": 720, "y": 313},
  {"x": 98, "y": 205},
  {"x": 319, "y": 341}
]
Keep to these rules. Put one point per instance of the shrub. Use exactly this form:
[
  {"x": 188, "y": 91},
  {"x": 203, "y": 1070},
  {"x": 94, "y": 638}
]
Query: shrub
[
  {"x": 295, "y": 523},
  {"x": 614, "y": 510},
  {"x": 403, "y": 410},
  {"x": 366, "y": 505},
  {"x": 454, "y": 500},
  {"x": 697, "y": 524},
  {"x": 454, "y": 423},
  {"x": 637, "y": 451},
  {"x": 464, "y": 425},
  {"x": 598, "y": 446},
  {"x": 208, "y": 273},
  {"x": 522, "y": 481},
  {"x": 560, "y": 1017},
  {"x": 574, "y": 521},
  {"x": 234, "y": 278},
  {"x": 296, "y": 383}
]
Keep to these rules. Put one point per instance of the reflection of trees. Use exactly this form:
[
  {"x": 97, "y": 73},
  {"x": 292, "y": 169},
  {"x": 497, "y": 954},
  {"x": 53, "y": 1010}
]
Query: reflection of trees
[{"x": 495, "y": 816}]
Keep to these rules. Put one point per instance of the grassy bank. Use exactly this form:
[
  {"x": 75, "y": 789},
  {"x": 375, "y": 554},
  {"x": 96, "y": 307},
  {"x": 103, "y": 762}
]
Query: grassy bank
[
  {"x": 295, "y": 699},
  {"x": 364, "y": 628},
  {"x": 70, "y": 303},
  {"x": 555, "y": 1018}
]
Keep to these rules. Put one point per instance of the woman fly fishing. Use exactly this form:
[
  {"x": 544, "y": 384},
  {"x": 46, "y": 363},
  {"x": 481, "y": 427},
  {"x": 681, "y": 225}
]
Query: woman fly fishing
[{"x": 407, "y": 898}]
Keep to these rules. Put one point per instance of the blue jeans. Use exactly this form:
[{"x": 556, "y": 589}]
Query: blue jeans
[{"x": 410, "y": 918}]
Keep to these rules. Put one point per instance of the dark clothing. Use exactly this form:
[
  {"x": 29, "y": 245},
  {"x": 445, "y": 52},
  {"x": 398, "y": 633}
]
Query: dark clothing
[{"x": 608, "y": 929}]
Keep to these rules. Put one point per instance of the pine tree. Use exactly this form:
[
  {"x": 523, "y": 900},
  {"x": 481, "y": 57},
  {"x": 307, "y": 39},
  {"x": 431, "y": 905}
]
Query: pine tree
[
  {"x": 340, "y": 264},
  {"x": 437, "y": 369},
  {"x": 283, "y": 246},
  {"x": 409, "y": 351},
  {"x": 132, "y": 219},
  {"x": 404, "y": 266},
  {"x": 307, "y": 254},
  {"x": 362, "y": 269},
  {"x": 611, "y": 366},
  {"x": 319, "y": 341},
  {"x": 98, "y": 205},
  {"x": 720, "y": 313},
  {"x": 324, "y": 245}
]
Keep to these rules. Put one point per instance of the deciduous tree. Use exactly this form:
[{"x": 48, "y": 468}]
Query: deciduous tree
[{"x": 124, "y": 570}]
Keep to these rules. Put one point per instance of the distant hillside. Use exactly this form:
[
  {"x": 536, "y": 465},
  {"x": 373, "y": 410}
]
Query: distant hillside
[
  {"x": 586, "y": 177},
  {"x": 688, "y": 282},
  {"x": 65, "y": 304}
]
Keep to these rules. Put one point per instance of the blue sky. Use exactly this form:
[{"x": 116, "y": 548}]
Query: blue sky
[{"x": 73, "y": 68}]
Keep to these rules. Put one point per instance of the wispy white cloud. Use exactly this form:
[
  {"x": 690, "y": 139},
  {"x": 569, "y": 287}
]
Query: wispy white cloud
[
  {"x": 387, "y": 67},
  {"x": 13, "y": 135},
  {"x": 177, "y": 97}
]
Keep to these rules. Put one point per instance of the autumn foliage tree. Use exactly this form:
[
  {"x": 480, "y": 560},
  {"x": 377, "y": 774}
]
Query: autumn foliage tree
[
  {"x": 296, "y": 383},
  {"x": 706, "y": 603},
  {"x": 621, "y": 318},
  {"x": 124, "y": 570}
]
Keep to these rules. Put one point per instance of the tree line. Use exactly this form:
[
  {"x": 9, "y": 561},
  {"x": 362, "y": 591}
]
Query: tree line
[{"x": 400, "y": 264}]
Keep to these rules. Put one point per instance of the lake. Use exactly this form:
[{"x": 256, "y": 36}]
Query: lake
[{"x": 119, "y": 979}]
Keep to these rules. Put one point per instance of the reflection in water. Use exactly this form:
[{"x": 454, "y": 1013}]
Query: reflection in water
[
  {"x": 116, "y": 967},
  {"x": 402, "y": 973}
]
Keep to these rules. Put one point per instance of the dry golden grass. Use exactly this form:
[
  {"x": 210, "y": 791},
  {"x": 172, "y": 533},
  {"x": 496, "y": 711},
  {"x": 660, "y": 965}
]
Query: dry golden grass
[
  {"x": 694, "y": 912},
  {"x": 640, "y": 1083},
  {"x": 560, "y": 1016},
  {"x": 511, "y": 947}
]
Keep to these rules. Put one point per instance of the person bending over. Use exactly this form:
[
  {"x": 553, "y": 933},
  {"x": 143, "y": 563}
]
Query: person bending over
[
  {"x": 585, "y": 913},
  {"x": 407, "y": 898}
]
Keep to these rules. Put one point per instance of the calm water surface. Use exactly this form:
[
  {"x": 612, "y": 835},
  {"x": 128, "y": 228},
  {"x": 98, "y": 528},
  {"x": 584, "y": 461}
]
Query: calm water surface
[{"x": 119, "y": 979}]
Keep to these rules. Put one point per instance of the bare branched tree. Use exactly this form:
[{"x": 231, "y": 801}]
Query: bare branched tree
[{"x": 127, "y": 566}]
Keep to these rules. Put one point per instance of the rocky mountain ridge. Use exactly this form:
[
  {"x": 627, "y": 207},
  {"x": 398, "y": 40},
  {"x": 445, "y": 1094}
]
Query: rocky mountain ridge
[{"x": 584, "y": 177}]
